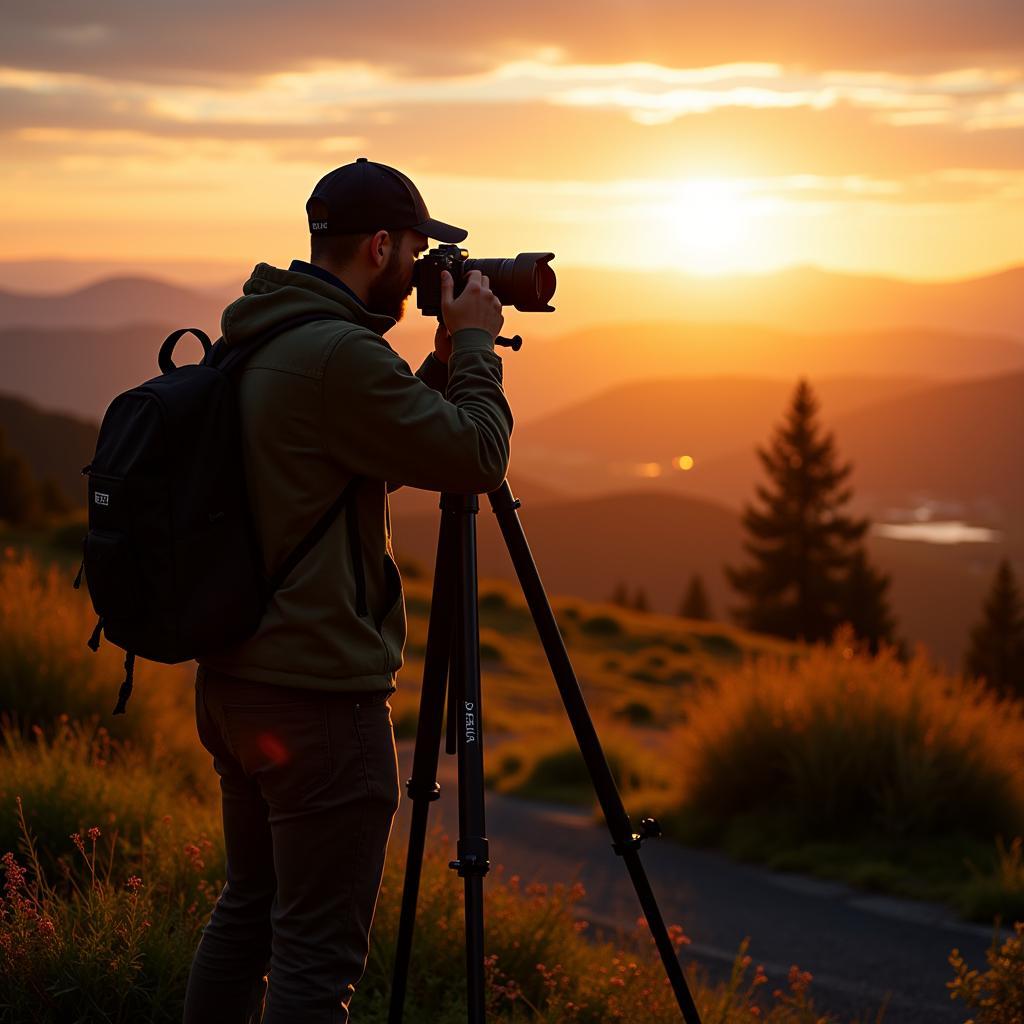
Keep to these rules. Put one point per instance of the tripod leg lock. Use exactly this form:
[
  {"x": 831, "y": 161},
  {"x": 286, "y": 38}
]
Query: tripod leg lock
[
  {"x": 473, "y": 857},
  {"x": 649, "y": 829},
  {"x": 422, "y": 792}
]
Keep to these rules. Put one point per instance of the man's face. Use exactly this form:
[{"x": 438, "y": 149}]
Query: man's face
[{"x": 388, "y": 292}]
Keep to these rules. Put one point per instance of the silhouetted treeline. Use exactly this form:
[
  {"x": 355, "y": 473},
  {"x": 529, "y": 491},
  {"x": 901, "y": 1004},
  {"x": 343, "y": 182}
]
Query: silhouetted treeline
[
  {"x": 996, "y": 651},
  {"x": 24, "y": 501}
]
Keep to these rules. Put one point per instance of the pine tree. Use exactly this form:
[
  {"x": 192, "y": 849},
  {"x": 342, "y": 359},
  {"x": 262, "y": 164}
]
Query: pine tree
[
  {"x": 620, "y": 595},
  {"x": 640, "y": 602},
  {"x": 864, "y": 605},
  {"x": 808, "y": 573},
  {"x": 695, "y": 604},
  {"x": 996, "y": 650}
]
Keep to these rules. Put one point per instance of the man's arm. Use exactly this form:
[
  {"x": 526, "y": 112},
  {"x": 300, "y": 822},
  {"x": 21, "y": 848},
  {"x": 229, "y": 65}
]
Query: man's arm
[
  {"x": 434, "y": 373},
  {"x": 382, "y": 421}
]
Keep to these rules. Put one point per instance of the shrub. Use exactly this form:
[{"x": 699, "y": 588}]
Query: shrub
[
  {"x": 492, "y": 601},
  {"x": 844, "y": 746},
  {"x": 491, "y": 652},
  {"x": 47, "y": 670},
  {"x": 601, "y": 625},
  {"x": 999, "y": 892},
  {"x": 718, "y": 645},
  {"x": 997, "y": 995},
  {"x": 636, "y": 712}
]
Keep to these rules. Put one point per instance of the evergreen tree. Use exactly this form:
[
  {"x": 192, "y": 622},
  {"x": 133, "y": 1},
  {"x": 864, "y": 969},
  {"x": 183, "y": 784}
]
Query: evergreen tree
[
  {"x": 640, "y": 602},
  {"x": 807, "y": 565},
  {"x": 18, "y": 504},
  {"x": 996, "y": 650},
  {"x": 695, "y": 604},
  {"x": 863, "y": 603},
  {"x": 620, "y": 595}
]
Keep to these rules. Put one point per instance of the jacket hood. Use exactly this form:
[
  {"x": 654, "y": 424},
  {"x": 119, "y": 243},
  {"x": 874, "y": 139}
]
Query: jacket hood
[{"x": 272, "y": 297}]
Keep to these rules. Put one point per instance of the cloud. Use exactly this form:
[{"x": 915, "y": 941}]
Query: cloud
[{"x": 228, "y": 42}]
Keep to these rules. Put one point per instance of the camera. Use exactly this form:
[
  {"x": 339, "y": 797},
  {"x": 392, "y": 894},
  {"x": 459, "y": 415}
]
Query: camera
[{"x": 525, "y": 281}]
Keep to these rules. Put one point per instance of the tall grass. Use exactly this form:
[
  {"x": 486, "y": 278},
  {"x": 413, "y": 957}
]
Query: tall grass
[
  {"x": 46, "y": 669},
  {"x": 842, "y": 745},
  {"x": 103, "y": 926}
]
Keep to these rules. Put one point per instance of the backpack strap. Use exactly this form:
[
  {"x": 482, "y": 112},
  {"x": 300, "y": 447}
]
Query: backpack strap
[
  {"x": 230, "y": 357},
  {"x": 311, "y": 539},
  {"x": 227, "y": 358}
]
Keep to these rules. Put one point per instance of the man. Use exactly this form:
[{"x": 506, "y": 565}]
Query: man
[{"x": 297, "y": 717}]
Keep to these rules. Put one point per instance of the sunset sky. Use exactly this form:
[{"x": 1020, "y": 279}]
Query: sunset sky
[{"x": 859, "y": 135}]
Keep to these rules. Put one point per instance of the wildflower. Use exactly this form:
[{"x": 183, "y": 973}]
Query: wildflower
[
  {"x": 93, "y": 833},
  {"x": 77, "y": 840},
  {"x": 134, "y": 883}
]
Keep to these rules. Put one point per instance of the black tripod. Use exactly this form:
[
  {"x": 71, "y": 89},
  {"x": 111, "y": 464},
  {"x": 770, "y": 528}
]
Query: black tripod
[{"x": 452, "y": 664}]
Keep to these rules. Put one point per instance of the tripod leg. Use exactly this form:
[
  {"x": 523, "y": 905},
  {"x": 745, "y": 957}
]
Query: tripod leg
[
  {"x": 625, "y": 841},
  {"x": 472, "y": 863},
  {"x": 422, "y": 787}
]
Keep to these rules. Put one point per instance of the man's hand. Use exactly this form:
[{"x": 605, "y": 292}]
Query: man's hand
[
  {"x": 442, "y": 343},
  {"x": 477, "y": 306}
]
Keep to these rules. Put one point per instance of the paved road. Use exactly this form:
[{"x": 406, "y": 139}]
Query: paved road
[{"x": 860, "y": 948}]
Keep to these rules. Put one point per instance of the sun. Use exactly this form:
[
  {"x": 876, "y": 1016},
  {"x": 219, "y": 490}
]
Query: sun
[{"x": 707, "y": 222}]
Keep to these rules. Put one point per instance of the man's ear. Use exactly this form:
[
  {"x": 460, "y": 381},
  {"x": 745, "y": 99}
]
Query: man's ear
[{"x": 379, "y": 244}]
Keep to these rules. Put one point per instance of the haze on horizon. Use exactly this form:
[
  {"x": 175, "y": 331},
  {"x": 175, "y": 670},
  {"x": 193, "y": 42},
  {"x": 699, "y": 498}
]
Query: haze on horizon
[{"x": 852, "y": 136}]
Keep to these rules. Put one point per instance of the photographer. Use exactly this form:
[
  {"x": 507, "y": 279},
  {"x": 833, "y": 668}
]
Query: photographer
[{"x": 297, "y": 716}]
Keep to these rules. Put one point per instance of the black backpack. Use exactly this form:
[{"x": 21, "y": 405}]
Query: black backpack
[{"x": 172, "y": 558}]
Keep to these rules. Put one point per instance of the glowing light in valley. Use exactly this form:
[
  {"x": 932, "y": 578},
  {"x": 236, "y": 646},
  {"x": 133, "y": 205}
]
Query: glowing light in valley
[
  {"x": 683, "y": 462},
  {"x": 649, "y": 469}
]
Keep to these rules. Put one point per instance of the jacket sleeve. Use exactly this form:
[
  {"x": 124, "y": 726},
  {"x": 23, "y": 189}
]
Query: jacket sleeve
[
  {"x": 434, "y": 374},
  {"x": 382, "y": 421}
]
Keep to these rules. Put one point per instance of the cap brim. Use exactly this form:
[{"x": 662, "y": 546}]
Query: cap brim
[{"x": 442, "y": 232}]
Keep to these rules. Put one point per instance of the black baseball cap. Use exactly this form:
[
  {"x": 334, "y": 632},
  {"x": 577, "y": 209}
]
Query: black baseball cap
[{"x": 367, "y": 196}]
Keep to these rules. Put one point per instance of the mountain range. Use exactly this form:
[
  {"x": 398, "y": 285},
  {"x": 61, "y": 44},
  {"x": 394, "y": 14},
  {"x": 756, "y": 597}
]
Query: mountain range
[
  {"x": 74, "y": 351},
  {"x": 923, "y": 386}
]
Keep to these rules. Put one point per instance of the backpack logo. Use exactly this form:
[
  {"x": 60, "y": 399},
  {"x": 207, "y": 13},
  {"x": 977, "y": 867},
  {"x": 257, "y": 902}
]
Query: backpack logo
[{"x": 101, "y": 499}]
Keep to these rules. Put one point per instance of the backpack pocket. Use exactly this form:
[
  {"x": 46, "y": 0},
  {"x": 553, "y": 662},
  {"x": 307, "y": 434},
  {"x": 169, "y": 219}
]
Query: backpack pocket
[{"x": 111, "y": 570}]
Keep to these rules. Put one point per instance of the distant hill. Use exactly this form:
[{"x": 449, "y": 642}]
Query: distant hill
[
  {"x": 581, "y": 364},
  {"x": 799, "y": 298},
  {"x": 615, "y": 326},
  {"x": 80, "y": 370},
  {"x": 54, "y": 445},
  {"x": 651, "y": 420},
  {"x": 58, "y": 446},
  {"x": 958, "y": 444},
  {"x": 658, "y": 540},
  {"x": 113, "y": 303},
  {"x": 909, "y": 441}
]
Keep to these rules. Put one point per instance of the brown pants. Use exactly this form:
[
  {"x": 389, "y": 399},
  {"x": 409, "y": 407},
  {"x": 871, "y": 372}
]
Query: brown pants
[{"x": 309, "y": 785}]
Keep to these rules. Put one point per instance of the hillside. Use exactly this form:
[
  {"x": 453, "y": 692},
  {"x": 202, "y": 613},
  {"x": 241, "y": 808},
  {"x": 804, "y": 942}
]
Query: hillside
[
  {"x": 55, "y": 445},
  {"x": 954, "y": 443},
  {"x": 586, "y": 362},
  {"x": 113, "y": 302},
  {"x": 951, "y": 444},
  {"x": 657, "y": 540},
  {"x": 795, "y": 322}
]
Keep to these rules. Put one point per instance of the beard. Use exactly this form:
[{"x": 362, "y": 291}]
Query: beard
[{"x": 387, "y": 294}]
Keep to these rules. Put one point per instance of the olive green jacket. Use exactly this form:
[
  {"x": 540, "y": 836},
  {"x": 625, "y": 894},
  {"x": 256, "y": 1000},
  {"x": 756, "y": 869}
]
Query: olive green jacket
[{"x": 324, "y": 402}]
